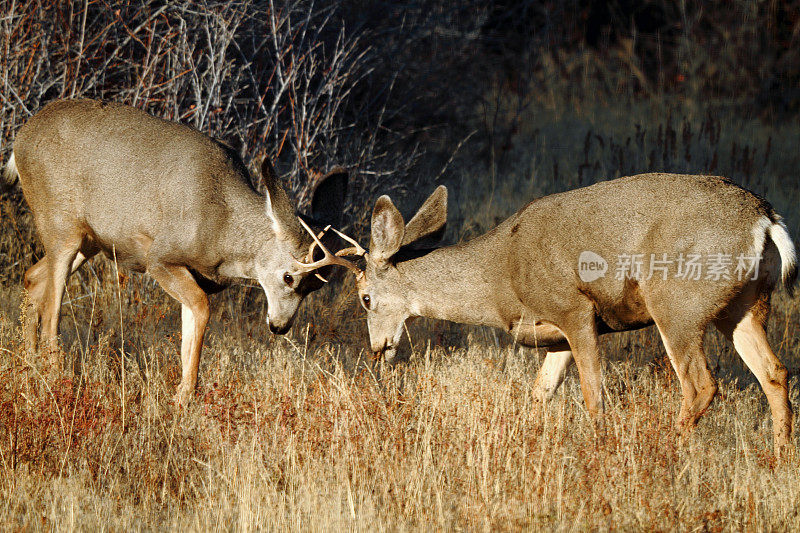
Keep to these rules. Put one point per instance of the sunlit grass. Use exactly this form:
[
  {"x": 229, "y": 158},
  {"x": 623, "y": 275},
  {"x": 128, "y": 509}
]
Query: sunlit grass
[
  {"x": 308, "y": 432},
  {"x": 454, "y": 439}
]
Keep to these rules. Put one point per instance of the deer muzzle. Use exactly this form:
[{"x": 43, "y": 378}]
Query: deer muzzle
[{"x": 280, "y": 329}]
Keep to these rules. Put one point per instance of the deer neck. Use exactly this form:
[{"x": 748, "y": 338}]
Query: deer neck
[
  {"x": 247, "y": 235},
  {"x": 461, "y": 283}
]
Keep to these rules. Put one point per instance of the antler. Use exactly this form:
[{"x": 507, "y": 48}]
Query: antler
[
  {"x": 329, "y": 259},
  {"x": 310, "y": 253},
  {"x": 356, "y": 249}
]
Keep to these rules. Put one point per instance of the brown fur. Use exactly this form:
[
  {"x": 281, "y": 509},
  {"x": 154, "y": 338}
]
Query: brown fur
[
  {"x": 522, "y": 276},
  {"x": 156, "y": 197}
]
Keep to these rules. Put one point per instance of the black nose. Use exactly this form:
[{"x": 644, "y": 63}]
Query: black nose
[
  {"x": 279, "y": 330},
  {"x": 382, "y": 351}
]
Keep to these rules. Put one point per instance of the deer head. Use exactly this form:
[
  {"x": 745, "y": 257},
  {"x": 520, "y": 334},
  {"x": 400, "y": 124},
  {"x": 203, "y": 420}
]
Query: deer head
[
  {"x": 284, "y": 279},
  {"x": 382, "y": 289}
]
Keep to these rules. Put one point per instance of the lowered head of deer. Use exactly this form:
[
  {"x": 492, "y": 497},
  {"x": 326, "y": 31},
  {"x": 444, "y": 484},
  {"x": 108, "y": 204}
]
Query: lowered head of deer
[
  {"x": 389, "y": 295},
  {"x": 282, "y": 267}
]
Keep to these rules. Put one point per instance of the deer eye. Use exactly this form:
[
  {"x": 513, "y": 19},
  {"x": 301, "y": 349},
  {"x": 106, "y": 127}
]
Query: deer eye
[
  {"x": 288, "y": 279},
  {"x": 367, "y": 301}
]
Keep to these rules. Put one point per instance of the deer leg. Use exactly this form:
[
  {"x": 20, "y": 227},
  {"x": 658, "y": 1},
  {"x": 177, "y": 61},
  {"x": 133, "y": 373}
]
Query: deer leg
[
  {"x": 35, "y": 282},
  {"x": 685, "y": 352},
  {"x": 81, "y": 257},
  {"x": 583, "y": 342},
  {"x": 59, "y": 268},
  {"x": 539, "y": 334},
  {"x": 195, "y": 311},
  {"x": 750, "y": 340},
  {"x": 553, "y": 371}
]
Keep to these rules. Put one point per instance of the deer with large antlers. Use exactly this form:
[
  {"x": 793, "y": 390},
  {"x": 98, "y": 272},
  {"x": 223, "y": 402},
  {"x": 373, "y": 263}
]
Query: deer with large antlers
[
  {"x": 542, "y": 275},
  {"x": 161, "y": 198}
]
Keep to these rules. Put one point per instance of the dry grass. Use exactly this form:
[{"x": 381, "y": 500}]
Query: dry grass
[
  {"x": 299, "y": 432},
  {"x": 306, "y": 431}
]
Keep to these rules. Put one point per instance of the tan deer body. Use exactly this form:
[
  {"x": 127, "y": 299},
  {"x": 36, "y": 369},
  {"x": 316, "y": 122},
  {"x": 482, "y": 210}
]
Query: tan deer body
[
  {"x": 523, "y": 277},
  {"x": 157, "y": 197}
]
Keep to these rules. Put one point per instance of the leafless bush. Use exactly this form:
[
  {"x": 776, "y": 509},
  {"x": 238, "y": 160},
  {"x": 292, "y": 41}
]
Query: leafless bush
[{"x": 275, "y": 80}]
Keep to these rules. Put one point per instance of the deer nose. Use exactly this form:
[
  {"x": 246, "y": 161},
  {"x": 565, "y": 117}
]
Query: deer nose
[
  {"x": 279, "y": 330},
  {"x": 389, "y": 354},
  {"x": 385, "y": 350},
  {"x": 379, "y": 347}
]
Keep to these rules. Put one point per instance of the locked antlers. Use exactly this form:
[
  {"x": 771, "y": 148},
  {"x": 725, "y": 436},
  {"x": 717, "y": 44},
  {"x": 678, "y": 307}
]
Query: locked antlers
[{"x": 309, "y": 264}]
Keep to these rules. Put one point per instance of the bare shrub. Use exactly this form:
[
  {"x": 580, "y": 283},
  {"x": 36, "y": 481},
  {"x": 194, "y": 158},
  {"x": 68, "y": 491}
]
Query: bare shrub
[{"x": 276, "y": 80}]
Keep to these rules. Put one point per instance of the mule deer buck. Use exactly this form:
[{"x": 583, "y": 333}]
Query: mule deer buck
[
  {"x": 161, "y": 198},
  {"x": 524, "y": 277}
]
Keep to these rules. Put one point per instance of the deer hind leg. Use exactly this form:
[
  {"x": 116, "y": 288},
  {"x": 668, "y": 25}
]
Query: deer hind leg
[
  {"x": 195, "y": 311},
  {"x": 37, "y": 285},
  {"x": 685, "y": 351},
  {"x": 59, "y": 268},
  {"x": 36, "y": 279},
  {"x": 750, "y": 340},
  {"x": 553, "y": 371}
]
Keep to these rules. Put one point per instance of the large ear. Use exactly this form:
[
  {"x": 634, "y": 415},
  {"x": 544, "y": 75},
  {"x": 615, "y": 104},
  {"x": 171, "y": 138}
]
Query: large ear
[
  {"x": 267, "y": 171},
  {"x": 430, "y": 219},
  {"x": 387, "y": 230},
  {"x": 278, "y": 206},
  {"x": 327, "y": 200}
]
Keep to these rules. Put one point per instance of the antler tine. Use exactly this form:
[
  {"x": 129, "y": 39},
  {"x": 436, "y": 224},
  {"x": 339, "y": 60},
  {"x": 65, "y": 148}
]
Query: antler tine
[
  {"x": 344, "y": 252},
  {"x": 357, "y": 249},
  {"x": 312, "y": 246},
  {"x": 310, "y": 254},
  {"x": 329, "y": 258}
]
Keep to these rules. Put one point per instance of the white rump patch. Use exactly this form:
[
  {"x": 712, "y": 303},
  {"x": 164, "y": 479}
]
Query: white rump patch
[
  {"x": 760, "y": 231},
  {"x": 783, "y": 242}
]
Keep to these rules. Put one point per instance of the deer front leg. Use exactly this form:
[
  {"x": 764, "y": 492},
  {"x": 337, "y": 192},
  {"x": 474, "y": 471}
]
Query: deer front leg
[
  {"x": 554, "y": 369},
  {"x": 540, "y": 334},
  {"x": 582, "y": 337},
  {"x": 195, "y": 310}
]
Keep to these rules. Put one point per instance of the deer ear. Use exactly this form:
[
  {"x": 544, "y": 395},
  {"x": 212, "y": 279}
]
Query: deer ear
[
  {"x": 430, "y": 219},
  {"x": 387, "y": 230},
  {"x": 267, "y": 171},
  {"x": 279, "y": 208},
  {"x": 327, "y": 201}
]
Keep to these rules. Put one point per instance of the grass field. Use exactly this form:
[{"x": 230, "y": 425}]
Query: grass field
[{"x": 308, "y": 432}]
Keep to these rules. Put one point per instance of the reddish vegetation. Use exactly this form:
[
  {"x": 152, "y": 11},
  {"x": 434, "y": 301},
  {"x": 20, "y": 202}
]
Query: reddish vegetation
[{"x": 308, "y": 432}]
